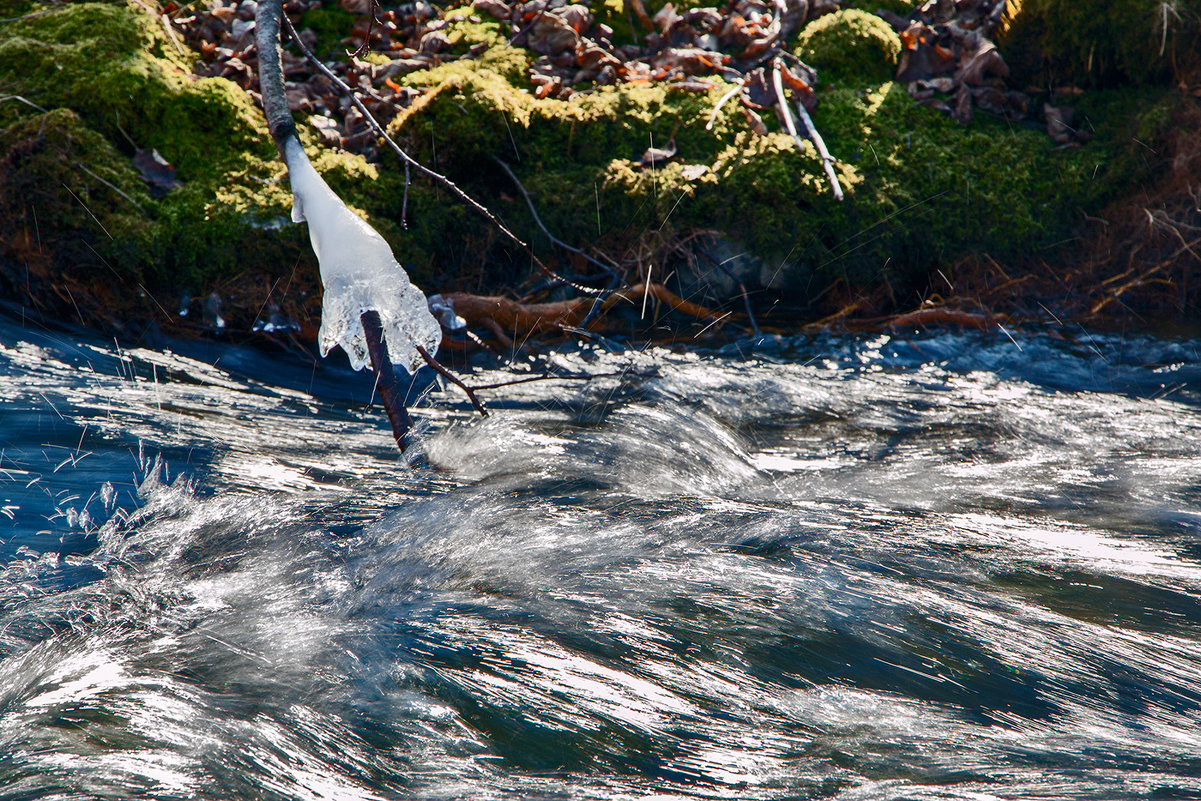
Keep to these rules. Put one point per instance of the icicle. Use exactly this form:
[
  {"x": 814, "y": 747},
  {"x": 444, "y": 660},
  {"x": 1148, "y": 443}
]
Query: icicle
[{"x": 359, "y": 274}]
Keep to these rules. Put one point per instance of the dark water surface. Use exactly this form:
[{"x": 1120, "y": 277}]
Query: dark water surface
[{"x": 945, "y": 566}]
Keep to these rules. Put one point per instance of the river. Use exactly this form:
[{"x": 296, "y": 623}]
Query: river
[{"x": 892, "y": 566}]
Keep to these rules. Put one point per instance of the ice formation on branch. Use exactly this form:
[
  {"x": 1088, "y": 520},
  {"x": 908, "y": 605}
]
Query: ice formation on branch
[{"x": 359, "y": 273}]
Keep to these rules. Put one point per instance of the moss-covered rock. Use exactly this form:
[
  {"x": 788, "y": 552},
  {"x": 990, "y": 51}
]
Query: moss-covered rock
[
  {"x": 1102, "y": 42},
  {"x": 934, "y": 187},
  {"x": 119, "y": 72},
  {"x": 62, "y": 178},
  {"x": 850, "y": 46},
  {"x": 921, "y": 189},
  {"x": 114, "y": 83}
]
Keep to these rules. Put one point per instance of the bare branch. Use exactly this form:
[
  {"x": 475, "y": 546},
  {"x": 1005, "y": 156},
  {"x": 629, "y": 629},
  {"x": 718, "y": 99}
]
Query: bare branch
[
  {"x": 786, "y": 116},
  {"x": 111, "y": 186},
  {"x": 373, "y": 5},
  {"x": 452, "y": 378},
  {"x": 20, "y": 99},
  {"x": 385, "y": 378},
  {"x": 724, "y": 99},
  {"x": 827, "y": 159}
]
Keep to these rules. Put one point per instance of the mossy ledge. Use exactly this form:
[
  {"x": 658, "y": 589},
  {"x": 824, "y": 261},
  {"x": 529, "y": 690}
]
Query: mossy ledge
[
  {"x": 102, "y": 81},
  {"x": 80, "y": 234}
]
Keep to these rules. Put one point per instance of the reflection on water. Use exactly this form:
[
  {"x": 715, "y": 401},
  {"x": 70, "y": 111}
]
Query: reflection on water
[{"x": 946, "y": 566}]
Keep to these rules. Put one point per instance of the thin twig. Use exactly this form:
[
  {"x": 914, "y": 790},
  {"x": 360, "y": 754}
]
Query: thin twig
[
  {"x": 404, "y": 203},
  {"x": 786, "y": 115},
  {"x": 782, "y": 105},
  {"x": 513, "y": 40},
  {"x": 111, "y": 186},
  {"x": 172, "y": 34},
  {"x": 554, "y": 239},
  {"x": 598, "y": 306},
  {"x": 372, "y": 6},
  {"x": 407, "y": 159},
  {"x": 827, "y": 159},
  {"x": 710, "y": 325},
  {"x": 724, "y": 99},
  {"x": 452, "y": 378},
  {"x": 89, "y": 211}
]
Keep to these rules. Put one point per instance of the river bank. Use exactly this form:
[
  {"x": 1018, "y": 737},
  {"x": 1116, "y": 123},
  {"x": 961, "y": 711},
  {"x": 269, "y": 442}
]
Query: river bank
[{"x": 1064, "y": 188}]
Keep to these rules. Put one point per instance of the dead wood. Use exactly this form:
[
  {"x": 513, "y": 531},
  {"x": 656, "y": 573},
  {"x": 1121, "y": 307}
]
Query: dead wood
[
  {"x": 826, "y": 323},
  {"x": 452, "y": 378},
  {"x": 941, "y": 315},
  {"x": 385, "y": 378},
  {"x": 818, "y": 142},
  {"x": 511, "y": 320}
]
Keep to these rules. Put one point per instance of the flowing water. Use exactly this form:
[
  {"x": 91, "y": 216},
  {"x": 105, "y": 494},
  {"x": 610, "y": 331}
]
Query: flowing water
[{"x": 937, "y": 566}]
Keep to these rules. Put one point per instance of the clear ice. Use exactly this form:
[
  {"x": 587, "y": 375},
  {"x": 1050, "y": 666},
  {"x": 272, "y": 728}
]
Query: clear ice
[{"x": 358, "y": 272}]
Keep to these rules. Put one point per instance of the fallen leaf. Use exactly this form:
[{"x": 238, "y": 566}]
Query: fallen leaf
[
  {"x": 755, "y": 121},
  {"x": 494, "y": 8},
  {"x": 657, "y": 156},
  {"x": 156, "y": 171}
]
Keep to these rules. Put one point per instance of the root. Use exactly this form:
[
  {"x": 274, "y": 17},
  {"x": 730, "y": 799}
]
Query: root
[{"x": 510, "y": 320}]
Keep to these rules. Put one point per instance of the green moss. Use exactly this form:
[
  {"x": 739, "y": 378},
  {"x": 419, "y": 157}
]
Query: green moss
[
  {"x": 127, "y": 85},
  {"x": 1151, "y": 124},
  {"x": 921, "y": 189},
  {"x": 331, "y": 25},
  {"x": 466, "y": 30},
  {"x": 115, "y": 69},
  {"x": 1101, "y": 42},
  {"x": 61, "y": 177},
  {"x": 564, "y": 151},
  {"x": 614, "y": 14},
  {"x": 901, "y": 7},
  {"x": 932, "y": 189},
  {"x": 1133, "y": 127},
  {"x": 15, "y": 8},
  {"x": 378, "y": 59},
  {"x": 850, "y": 46}
]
